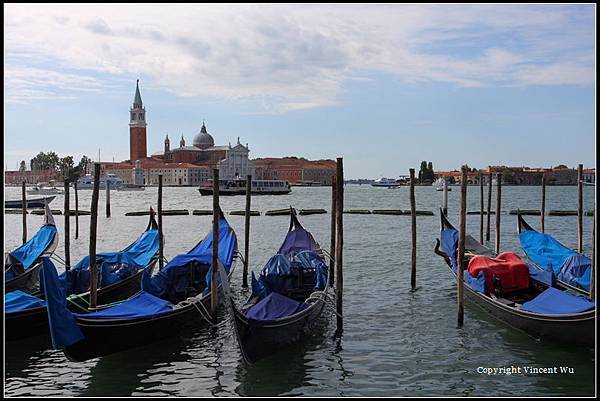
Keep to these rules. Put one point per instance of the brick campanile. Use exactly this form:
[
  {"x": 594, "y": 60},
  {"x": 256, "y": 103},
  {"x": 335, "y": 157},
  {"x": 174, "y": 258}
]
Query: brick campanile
[{"x": 137, "y": 127}]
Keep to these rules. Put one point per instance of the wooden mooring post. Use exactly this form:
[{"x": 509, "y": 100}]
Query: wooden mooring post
[
  {"x": 333, "y": 232},
  {"x": 24, "y": 206},
  {"x": 543, "y": 207},
  {"x": 76, "y": 210},
  {"x": 481, "y": 208},
  {"x": 67, "y": 227},
  {"x": 413, "y": 229},
  {"x": 93, "y": 227},
  {"x": 461, "y": 248},
  {"x": 445, "y": 198},
  {"x": 489, "y": 207},
  {"x": 247, "y": 230},
  {"x": 161, "y": 243},
  {"x": 498, "y": 199},
  {"x": 214, "y": 301},
  {"x": 593, "y": 267},
  {"x": 339, "y": 283},
  {"x": 580, "y": 208},
  {"x": 107, "y": 197}
]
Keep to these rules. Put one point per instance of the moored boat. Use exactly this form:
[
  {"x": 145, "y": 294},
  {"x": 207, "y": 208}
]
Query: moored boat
[
  {"x": 37, "y": 203},
  {"x": 238, "y": 187},
  {"x": 385, "y": 182},
  {"x": 87, "y": 182},
  {"x": 41, "y": 189},
  {"x": 517, "y": 293}
]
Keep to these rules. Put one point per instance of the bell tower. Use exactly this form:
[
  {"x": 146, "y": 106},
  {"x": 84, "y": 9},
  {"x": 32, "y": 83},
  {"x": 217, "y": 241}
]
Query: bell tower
[{"x": 137, "y": 127}]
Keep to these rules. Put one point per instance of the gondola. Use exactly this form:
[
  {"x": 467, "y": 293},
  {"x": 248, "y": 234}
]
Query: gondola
[
  {"x": 120, "y": 276},
  {"x": 286, "y": 299},
  {"x": 570, "y": 270},
  {"x": 517, "y": 293},
  {"x": 177, "y": 296},
  {"x": 37, "y": 203},
  {"x": 22, "y": 266}
]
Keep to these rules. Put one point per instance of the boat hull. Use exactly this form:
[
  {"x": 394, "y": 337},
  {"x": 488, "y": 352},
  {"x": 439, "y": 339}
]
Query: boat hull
[
  {"x": 225, "y": 192},
  {"x": 26, "y": 282},
  {"x": 38, "y": 203}
]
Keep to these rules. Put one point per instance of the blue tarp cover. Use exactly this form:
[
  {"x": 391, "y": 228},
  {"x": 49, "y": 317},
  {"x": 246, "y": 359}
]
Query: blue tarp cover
[
  {"x": 275, "y": 306},
  {"x": 551, "y": 255},
  {"x": 30, "y": 251},
  {"x": 172, "y": 281},
  {"x": 448, "y": 244},
  {"x": 546, "y": 277},
  {"x": 113, "y": 266},
  {"x": 63, "y": 327},
  {"x": 296, "y": 241},
  {"x": 142, "y": 304},
  {"x": 16, "y": 301},
  {"x": 556, "y": 302}
]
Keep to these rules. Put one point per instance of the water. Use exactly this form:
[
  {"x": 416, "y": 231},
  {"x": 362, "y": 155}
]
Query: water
[{"x": 395, "y": 342}]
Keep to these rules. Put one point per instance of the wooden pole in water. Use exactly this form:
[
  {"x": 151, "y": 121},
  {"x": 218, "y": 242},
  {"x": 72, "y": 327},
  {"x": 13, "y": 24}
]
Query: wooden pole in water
[
  {"x": 498, "y": 198},
  {"x": 76, "y": 210},
  {"x": 461, "y": 247},
  {"x": 489, "y": 207},
  {"x": 413, "y": 226},
  {"x": 339, "y": 283},
  {"x": 445, "y": 203},
  {"x": 481, "y": 207},
  {"x": 67, "y": 227},
  {"x": 93, "y": 227},
  {"x": 247, "y": 230},
  {"x": 160, "y": 226},
  {"x": 580, "y": 208},
  {"x": 593, "y": 272},
  {"x": 333, "y": 231},
  {"x": 214, "y": 302},
  {"x": 107, "y": 197},
  {"x": 24, "y": 205},
  {"x": 543, "y": 210}
]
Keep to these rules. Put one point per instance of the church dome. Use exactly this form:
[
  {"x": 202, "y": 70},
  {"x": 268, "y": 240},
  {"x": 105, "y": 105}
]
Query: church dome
[{"x": 203, "y": 139}]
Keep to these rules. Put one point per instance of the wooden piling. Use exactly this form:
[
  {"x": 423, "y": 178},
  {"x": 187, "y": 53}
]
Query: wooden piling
[
  {"x": 76, "y": 210},
  {"x": 481, "y": 208},
  {"x": 593, "y": 267},
  {"x": 333, "y": 231},
  {"x": 160, "y": 226},
  {"x": 339, "y": 283},
  {"x": 489, "y": 207},
  {"x": 247, "y": 230},
  {"x": 413, "y": 226},
  {"x": 580, "y": 208},
  {"x": 543, "y": 209},
  {"x": 24, "y": 205},
  {"x": 67, "y": 227},
  {"x": 461, "y": 248},
  {"x": 445, "y": 199},
  {"x": 107, "y": 197},
  {"x": 93, "y": 227},
  {"x": 214, "y": 302},
  {"x": 498, "y": 198}
]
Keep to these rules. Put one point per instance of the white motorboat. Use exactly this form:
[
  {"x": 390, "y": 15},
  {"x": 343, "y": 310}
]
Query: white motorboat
[{"x": 87, "y": 182}]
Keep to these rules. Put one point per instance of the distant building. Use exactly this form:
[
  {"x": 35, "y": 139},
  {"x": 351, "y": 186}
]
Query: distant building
[
  {"x": 589, "y": 175},
  {"x": 521, "y": 175},
  {"x": 30, "y": 176},
  {"x": 295, "y": 170}
]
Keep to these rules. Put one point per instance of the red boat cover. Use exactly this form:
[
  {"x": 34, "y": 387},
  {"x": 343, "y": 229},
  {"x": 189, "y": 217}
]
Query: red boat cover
[{"x": 508, "y": 267}]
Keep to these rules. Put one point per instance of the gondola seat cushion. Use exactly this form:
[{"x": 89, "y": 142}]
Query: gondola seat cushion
[
  {"x": 556, "y": 302},
  {"x": 275, "y": 306},
  {"x": 512, "y": 272}
]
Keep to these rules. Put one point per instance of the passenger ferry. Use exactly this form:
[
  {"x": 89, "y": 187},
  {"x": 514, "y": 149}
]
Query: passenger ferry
[
  {"x": 385, "y": 182},
  {"x": 238, "y": 187},
  {"x": 87, "y": 182}
]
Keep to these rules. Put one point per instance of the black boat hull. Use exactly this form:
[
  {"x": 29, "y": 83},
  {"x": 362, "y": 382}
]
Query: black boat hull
[
  {"x": 26, "y": 282},
  {"x": 222, "y": 192},
  {"x": 38, "y": 203}
]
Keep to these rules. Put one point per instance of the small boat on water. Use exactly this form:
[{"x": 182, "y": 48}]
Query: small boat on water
[
  {"x": 238, "y": 187},
  {"x": 22, "y": 265},
  {"x": 571, "y": 270},
  {"x": 439, "y": 184},
  {"x": 177, "y": 296},
  {"x": 41, "y": 189},
  {"x": 288, "y": 296},
  {"x": 87, "y": 181},
  {"x": 385, "y": 182},
  {"x": 517, "y": 293},
  {"x": 120, "y": 274},
  {"x": 37, "y": 203}
]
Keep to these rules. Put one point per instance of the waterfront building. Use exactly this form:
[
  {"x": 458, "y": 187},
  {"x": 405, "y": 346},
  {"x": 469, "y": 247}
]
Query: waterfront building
[{"x": 295, "y": 170}]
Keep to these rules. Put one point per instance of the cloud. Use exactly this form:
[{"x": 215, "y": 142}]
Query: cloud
[{"x": 300, "y": 57}]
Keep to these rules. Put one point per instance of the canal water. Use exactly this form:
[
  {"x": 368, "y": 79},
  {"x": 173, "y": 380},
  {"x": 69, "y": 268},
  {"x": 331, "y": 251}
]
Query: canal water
[{"x": 395, "y": 342}]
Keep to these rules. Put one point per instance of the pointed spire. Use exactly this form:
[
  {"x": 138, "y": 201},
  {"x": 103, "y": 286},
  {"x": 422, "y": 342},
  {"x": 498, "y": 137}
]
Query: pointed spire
[
  {"x": 203, "y": 129},
  {"x": 137, "y": 100}
]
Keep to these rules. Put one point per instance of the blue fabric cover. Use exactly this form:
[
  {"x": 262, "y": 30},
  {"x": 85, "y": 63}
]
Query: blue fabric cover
[
  {"x": 556, "y": 302},
  {"x": 172, "y": 281},
  {"x": 546, "y": 277},
  {"x": 30, "y": 251},
  {"x": 275, "y": 306},
  {"x": 113, "y": 266},
  {"x": 449, "y": 244},
  {"x": 549, "y": 254},
  {"x": 16, "y": 301},
  {"x": 142, "y": 304},
  {"x": 297, "y": 240},
  {"x": 63, "y": 327}
]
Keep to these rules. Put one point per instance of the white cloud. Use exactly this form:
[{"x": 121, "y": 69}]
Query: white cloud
[{"x": 296, "y": 56}]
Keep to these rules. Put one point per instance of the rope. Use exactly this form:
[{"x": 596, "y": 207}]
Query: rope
[
  {"x": 58, "y": 259},
  {"x": 205, "y": 315}
]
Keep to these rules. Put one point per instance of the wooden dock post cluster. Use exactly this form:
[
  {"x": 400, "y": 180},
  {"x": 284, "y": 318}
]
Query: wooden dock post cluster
[
  {"x": 481, "y": 208},
  {"x": 461, "y": 248},
  {"x": 214, "y": 302},
  {"x": 160, "y": 230},
  {"x": 333, "y": 231},
  {"x": 67, "y": 227},
  {"x": 413, "y": 225},
  {"x": 93, "y": 227},
  {"x": 24, "y": 200},
  {"x": 247, "y": 230},
  {"x": 339, "y": 283}
]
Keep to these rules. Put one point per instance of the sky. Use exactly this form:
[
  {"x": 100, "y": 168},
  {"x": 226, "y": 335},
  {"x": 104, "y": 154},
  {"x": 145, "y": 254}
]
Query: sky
[{"x": 383, "y": 86}]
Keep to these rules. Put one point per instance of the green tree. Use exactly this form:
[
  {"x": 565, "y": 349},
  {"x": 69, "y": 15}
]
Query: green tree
[
  {"x": 44, "y": 161},
  {"x": 65, "y": 165}
]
